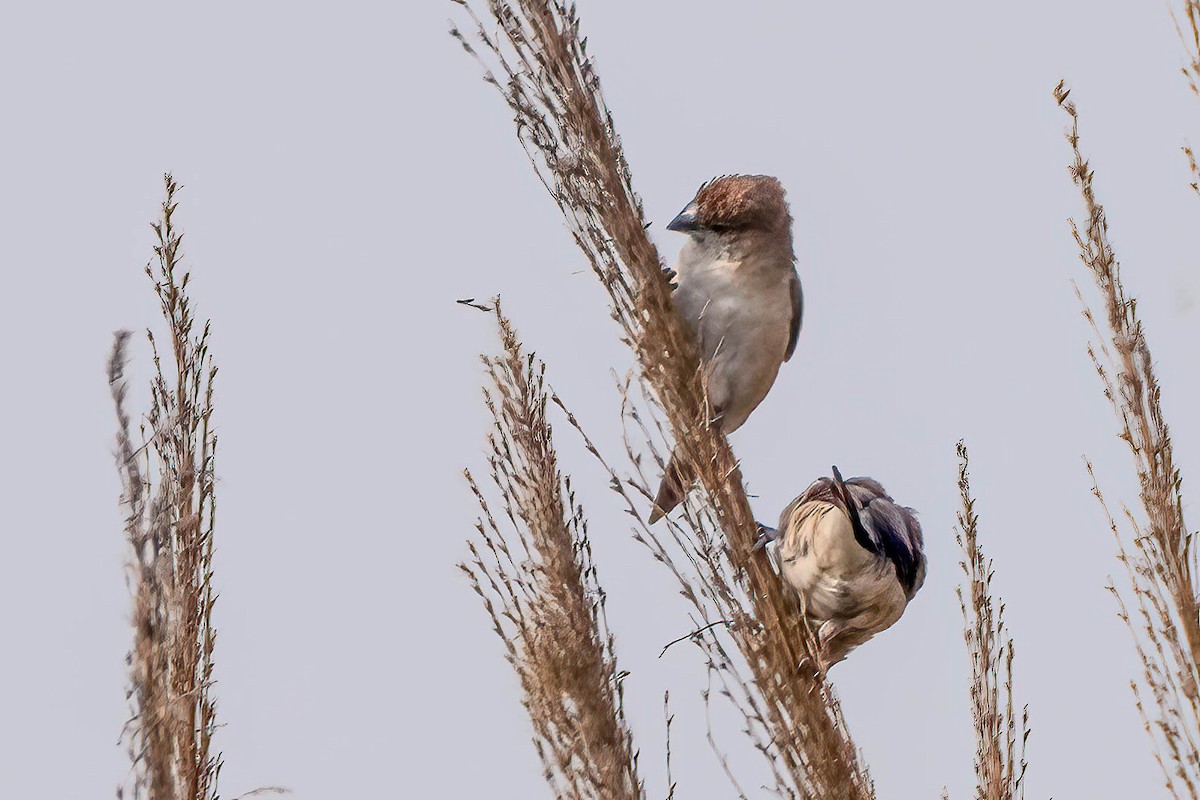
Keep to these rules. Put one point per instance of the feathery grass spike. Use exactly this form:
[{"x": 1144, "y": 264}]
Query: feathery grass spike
[
  {"x": 1159, "y": 606},
  {"x": 540, "y": 588},
  {"x": 170, "y": 503},
  {"x": 1000, "y": 734}
]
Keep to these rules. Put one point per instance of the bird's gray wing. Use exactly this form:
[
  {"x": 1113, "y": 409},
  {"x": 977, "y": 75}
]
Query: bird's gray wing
[{"x": 797, "y": 315}]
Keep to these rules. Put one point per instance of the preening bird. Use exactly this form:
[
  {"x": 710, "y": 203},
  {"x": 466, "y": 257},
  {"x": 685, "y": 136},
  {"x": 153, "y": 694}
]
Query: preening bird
[
  {"x": 854, "y": 557},
  {"x": 738, "y": 291}
]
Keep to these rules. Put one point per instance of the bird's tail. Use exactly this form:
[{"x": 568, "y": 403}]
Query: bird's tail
[{"x": 670, "y": 491}]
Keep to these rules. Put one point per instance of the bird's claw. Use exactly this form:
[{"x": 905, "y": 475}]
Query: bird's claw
[
  {"x": 672, "y": 278},
  {"x": 766, "y": 535}
]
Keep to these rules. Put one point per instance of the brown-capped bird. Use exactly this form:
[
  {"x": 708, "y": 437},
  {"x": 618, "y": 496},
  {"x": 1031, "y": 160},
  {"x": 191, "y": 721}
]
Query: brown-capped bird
[{"x": 738, "y": 290}]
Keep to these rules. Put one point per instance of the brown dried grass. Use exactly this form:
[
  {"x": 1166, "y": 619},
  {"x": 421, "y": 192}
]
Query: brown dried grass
[
  {"x": 1190, "y": 38},
  {"x": 1161, "y": 564},
  {"x": 1000, "y": 735},
  {"x": 540, "y": 587},
  {"x": 535, "y": 57},
  {"x": 169, "y": 496},
  {"x": 1191, "y": 42}
]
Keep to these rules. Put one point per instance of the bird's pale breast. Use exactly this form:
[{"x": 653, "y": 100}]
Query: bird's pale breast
[
  {"x": 740, "y": 313},
  {"x": 836, "y": 577}
]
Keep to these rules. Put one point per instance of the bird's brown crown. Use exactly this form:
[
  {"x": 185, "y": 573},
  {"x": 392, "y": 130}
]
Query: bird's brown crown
[{"x": 743, "y": 201}]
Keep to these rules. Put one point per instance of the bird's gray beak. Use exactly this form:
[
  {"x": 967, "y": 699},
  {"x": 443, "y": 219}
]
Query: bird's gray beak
[{"x": 686, "y": 221}]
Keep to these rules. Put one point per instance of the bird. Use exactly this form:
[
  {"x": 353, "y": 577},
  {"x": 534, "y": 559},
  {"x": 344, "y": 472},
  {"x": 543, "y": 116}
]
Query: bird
[
  {"x": 735, "y": 286},
  {"x": 853, "y": 556}
]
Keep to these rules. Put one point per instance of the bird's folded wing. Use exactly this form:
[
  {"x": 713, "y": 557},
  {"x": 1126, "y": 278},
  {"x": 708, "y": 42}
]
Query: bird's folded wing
[
  {"x": 897, "y": 533},
  {"x": 797, "y": 315}
]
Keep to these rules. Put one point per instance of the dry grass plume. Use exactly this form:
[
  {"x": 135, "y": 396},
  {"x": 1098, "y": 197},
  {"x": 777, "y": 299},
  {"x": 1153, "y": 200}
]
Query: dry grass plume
[
  {"x": 1160, "y": 604},
  {"x": 540, "y": 588},
  {"x": 170, "y": 503},
  {"x": 1000, "y": 734},
  {"x": 1189, "y": 35}
]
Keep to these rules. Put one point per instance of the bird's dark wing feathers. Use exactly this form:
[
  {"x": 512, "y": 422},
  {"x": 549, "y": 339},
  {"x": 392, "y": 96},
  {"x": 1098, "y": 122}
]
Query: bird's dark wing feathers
[
  {"x": 882, "y": 526},
  {"x": 893, "y": 528},
  {"x": 797, "y": 316}
]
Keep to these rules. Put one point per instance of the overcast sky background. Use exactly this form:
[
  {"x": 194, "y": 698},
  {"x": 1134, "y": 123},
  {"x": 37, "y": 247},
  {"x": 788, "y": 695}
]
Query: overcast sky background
[{"x": 348, "y": 176}]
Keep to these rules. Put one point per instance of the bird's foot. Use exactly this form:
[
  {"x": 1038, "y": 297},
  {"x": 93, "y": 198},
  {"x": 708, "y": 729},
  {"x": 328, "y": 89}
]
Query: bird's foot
[
  {"x": 766, "y": 535},
  {"x": 672, "y": 278}
]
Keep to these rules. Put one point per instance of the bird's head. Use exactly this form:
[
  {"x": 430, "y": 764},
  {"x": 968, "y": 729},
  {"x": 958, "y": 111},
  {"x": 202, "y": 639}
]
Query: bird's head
[{"x": 734, "y": 204}]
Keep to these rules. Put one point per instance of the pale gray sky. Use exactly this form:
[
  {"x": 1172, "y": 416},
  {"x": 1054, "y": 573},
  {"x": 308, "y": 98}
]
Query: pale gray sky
[{"x": 348, "y": 176}]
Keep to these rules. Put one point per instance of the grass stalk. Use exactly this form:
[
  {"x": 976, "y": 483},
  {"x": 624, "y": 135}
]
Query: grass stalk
[
  {"x": 1159, "y": 605},
  {"x": 539, "y": 585},
  {"x": 1000, "y": 734},
  {"x": 168, "y": 494}
]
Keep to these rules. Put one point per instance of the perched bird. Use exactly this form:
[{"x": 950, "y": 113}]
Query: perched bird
[
  {"x": 738, "y": 291},
  {"x": 853, "y": 555}
]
